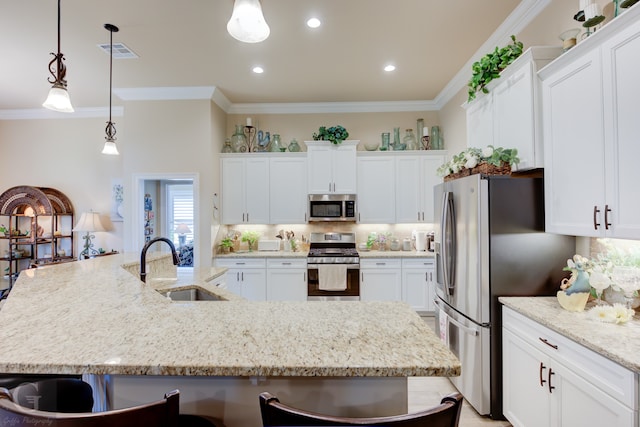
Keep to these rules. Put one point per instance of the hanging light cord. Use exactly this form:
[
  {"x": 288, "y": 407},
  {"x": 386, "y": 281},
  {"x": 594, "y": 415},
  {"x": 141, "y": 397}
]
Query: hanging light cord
[
  {"x": 110, "y": 130},
  {"x": 60, "y": 71}
]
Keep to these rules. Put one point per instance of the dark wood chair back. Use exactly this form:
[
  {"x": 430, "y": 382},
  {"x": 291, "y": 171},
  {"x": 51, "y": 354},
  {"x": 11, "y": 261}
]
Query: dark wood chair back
[
  {"x": 55, "y": 395},
  {"x": 274, "y": 413},
  {"x": 163, "y": 413}
]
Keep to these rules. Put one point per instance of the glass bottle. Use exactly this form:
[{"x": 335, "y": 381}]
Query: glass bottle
[
  {"x": 385, "y": 141},
  {"x": 409, "y": 140},
  {"x": 436, "y": 139},
  {"x": 396, "y": 139},
  {"x": 227, "y": 146},
  {"x": 276, "y": 144},
  {"x": 419, "y": 133},
  {"x": 238, "y": 140},
  {"x": 294, "y": 147}
]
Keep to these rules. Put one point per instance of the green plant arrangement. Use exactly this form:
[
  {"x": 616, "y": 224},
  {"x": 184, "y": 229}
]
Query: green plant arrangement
[
  {"x": 489, "y": 67},
  {"x": 489, "y": 160},
  {"x": 226, "y": 244},
  {"x": 251, "y": 237},
  {"x": 335, "y": 134}
]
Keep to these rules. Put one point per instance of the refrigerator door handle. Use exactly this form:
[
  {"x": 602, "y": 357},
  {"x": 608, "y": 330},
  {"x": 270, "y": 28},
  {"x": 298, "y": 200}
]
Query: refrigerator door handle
[
  {"x": 466, "y": 329},
  {"x": 448, "y": 233}
]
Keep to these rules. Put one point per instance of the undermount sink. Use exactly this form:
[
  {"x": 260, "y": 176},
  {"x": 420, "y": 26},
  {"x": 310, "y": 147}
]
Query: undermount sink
[{"x": 190, "y": 294}]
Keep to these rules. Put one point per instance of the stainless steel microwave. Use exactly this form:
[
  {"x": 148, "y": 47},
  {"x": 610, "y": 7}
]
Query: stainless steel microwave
[{"x": 332, "y": 207}]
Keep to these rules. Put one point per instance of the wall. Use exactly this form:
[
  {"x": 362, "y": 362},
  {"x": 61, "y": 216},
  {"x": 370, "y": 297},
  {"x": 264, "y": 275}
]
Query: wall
[
  {"x": 174, "y": 138},
  {"x": 66, "y": 155}
]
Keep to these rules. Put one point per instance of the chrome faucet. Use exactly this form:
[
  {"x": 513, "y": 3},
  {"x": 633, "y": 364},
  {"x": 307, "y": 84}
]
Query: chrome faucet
[{"x": 143, "y": 255}]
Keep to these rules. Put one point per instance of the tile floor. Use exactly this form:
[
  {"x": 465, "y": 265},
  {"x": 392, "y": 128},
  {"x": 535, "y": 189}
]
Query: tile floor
[{"x": 425, "y": 392}]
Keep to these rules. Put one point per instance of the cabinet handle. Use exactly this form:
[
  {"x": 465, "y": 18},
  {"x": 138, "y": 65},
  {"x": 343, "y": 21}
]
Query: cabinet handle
[
  {"x": 607, "y": 224},
  {"x": 329, "y": 187},
  {"x": 286, "y": 263},
  {"x": 549, "y": 382},
  {"x": 247, "y": 216},
  {"x": 361, "y": 277},
  {"x": 596, "y": 211},
  {"x": 381, "y": 263},
  {"x": 237, "y": 276},
  {"x": 240, "y": 263},
  {"x": 418, "y": 216},
  {"x": 242, "y": 276},
  {"x": 542, "y": 380},
  {"x": 426, "y": 276},
  {"x": 544, "y": 340},
  {"x": 423, "y": 216},
  {"x": 304, "y": 276}
]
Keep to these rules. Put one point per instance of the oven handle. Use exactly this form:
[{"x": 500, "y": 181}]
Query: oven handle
[{"x": 349, "y": 266}]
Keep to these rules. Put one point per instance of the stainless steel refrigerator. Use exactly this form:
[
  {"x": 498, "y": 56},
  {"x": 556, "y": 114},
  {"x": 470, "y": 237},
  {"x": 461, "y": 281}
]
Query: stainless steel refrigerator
[{"x": 490, "y": 242}]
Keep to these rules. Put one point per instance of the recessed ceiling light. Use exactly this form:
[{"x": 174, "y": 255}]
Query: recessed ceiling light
[
  {"x": 389, "y": 67},
  {"x": 258, "y": 70},
  {"x": 313, "y": 23}
]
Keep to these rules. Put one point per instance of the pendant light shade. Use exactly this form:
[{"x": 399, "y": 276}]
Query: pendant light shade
[
  {"x": 247, "y": 23},
  {"x": 110, "y": 140},
  {"x": 58, "y": 99}
]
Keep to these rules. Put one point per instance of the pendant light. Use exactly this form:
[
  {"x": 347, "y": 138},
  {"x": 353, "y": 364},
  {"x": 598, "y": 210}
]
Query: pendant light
[
  {"x": 110, "y": 130},
  {"x": 247, "y": 23},
  {"x": 58, "y": 99}
]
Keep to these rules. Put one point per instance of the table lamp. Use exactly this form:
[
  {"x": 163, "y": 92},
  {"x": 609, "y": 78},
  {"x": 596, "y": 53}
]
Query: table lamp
[
  {"x": 182, "y": 230},
  {"x": 89, "y": 222}
]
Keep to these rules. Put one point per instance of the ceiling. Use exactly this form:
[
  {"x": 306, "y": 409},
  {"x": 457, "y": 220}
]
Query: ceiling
[{"x": 184, "y": 44}]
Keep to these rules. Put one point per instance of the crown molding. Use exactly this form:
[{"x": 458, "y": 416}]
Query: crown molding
[
  {"x": 43, "y": 113},
  {"x": 331, "y": 107},
  {"x": 175, "y": 93}
]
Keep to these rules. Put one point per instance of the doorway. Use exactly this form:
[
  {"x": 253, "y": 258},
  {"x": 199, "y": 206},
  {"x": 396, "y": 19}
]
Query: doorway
[{"x": 166, "y": 206}]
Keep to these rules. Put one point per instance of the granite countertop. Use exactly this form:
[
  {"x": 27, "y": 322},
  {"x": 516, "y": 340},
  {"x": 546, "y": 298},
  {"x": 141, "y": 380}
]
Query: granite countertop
[
  {"x": 620, "y": 343},
  {"x": 96, "y": 317}
]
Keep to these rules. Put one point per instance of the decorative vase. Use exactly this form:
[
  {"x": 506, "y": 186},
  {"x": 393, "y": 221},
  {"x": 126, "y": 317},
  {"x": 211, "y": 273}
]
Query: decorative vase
[
  {"x": 385, "y": 141},
  {"x": 276, "y": 144},
  {"x": 382, "y": 246},
  {"x": 409, "y": 140},
  {"x": 419, "y": 132},
  {"x": 294, "y": 147},
  {"x": 436, "y": 139},
  {"x": 239, "y": 141},
  {"x": 227, "y": 146}
]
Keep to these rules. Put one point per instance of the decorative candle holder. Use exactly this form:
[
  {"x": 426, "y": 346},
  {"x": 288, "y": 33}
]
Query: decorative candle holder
[
  {"x": 426, "y": 143},
  {"x": 250, "y": 135}
]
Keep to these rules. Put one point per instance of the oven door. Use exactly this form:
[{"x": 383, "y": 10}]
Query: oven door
[{"x": 352, "y": 293}]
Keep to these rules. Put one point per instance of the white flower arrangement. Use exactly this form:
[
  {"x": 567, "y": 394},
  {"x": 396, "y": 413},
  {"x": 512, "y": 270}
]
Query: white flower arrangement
[
  {"x": 472, "y": 157},
  {"x": 616, "y": 313}
]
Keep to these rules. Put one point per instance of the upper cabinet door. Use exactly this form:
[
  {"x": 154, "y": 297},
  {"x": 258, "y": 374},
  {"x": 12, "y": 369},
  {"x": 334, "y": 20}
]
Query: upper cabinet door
[
  {"x": 288, "y": 190},
  {"x": 409, "y": 205},
  {"x": 621, "y": 62},
  {"x": 233, "y": 196},
  {"x": 245, "y": 189},
  {"x": 332, "y": 168},
  {"x": 376, "y": 190},
  {"x": 574, "y": 152}
]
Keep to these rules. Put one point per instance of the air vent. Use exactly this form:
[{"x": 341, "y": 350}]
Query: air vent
[{"x": 120, "y": 51}]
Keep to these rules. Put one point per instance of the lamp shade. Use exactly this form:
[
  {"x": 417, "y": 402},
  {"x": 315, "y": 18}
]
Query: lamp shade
[
  {"x": 110, "y": 148},
  {"x": 89, "y": 221},
  {"x": 247, "y": 23},
  {"x": 58, "y": 100},
  {"x": 183, "y": 229}
]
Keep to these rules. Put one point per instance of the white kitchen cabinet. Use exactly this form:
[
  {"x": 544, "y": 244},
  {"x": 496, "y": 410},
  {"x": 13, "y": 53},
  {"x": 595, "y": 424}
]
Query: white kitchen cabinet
[
  {"x": 415, "y": 177},
  {"x": 380, "y": 279},
  {"x": 550, "y": 380},
  {"x": 509, "y": 115},
  {"x": 376, "y": 188},
  {"x": 287, "y": 279},
  {"x": 590, "y": 134},
  {"x": 418, "y": 284},
  {"x": 331, "y": 167},
  {"x": 246, "y": 277},
  {"x": 288, "y": 188},
  {"x": 245, "y": 188}
]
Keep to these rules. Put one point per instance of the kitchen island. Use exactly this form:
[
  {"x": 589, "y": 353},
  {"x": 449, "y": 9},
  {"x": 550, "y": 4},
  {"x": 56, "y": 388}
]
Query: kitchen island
[{"x": 96, "y": 318}]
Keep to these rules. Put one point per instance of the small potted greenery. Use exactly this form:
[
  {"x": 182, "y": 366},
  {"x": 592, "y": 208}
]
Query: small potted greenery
[
  {"x": 489, "y": 67},
  {"x": 251, "y": 237},
  {"x": 334, "y": 134},
  {"x": 4, "y": 230},
  {"x": 226, "y": 244}
]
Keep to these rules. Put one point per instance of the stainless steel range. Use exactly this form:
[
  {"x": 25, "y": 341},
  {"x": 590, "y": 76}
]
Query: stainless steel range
[{"x": 333, "y": 267}]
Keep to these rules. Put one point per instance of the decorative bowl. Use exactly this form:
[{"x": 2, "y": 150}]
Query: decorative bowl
[{"x": 371, "y": 146}]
